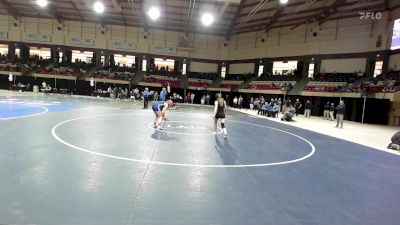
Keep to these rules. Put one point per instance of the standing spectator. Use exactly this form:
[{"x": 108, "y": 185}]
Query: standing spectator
[
  {"x": 279, "y": 104},
  {"x": 208, "y": 99},
  {"x": 340, "y": 112},
  {"x": 192, "y": 97},
  {"x": 240, "y": 102},
  {"x": 307, "y": 109},
  {"x": 146, "y": 96},
  {"x": 203, "y": 100},
  {"x": 332, "y": 111},
  {"x": 297, "y": 106},
  {"x": 188, "y": 97},
  {"x": 251, "y": 103},
  {"x": 327, "y": 106},
  {"x": 156, "y": 96},
  {"x": 235, "y": 102},
  {"x": 163, "y": 94}
]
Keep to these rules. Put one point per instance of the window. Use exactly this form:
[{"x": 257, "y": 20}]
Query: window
[
  {"x": 124, "y": 60},
  {"x": 311, "y": 70},
  {"x": 103, "y": 60},
  {"x": 378, "y": 68},
  {"x": 223, "y": 71},
  {"x": 260, "y": 70},
  {"x": 164, "y": 64},
  {"x": 144, "y": 65},
  {"x": 17, "y": 52},
  {"x": 41, "y": 52},
  {"x": 284, "y": 67},
  {"x": 184, "y": 69},
  {"x": 60, "y": 57},
  {"x": 83, "y": 56},
  {"x": 3, "y": 49}
]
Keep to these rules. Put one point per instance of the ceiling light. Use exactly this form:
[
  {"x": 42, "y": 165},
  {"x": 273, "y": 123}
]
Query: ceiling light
[
  {"x": 283, "y": 1},
  {"x": 98, "y": 7},
  {"x": 207, "y": 19},
  {"x": 154, "y": 13},
  {"x": 42, "y": 3}
]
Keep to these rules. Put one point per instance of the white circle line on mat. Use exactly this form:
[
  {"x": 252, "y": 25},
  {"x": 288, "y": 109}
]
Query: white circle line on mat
[
  {"x": 54, "y": 133},
  {"x": 45, "y": 110}
]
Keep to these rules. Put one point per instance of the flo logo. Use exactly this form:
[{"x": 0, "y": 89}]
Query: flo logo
[{"x": 370, "y": 15}]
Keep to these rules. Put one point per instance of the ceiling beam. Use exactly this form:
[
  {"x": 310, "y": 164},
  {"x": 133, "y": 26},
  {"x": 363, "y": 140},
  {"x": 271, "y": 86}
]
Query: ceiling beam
[
  {"x": 353, "y": 7},
  {"x": 275, "y": 17},
  {"x": 76, "y": 7},
  {"x": 235, "y": 17},
  {"x": 57, "y": 15},
  {"x": 192, "y": 4},
  {"x": 6, "y": 4},
  {"x": 139, "y": 12},
  {"x": 320, "y": 15}
]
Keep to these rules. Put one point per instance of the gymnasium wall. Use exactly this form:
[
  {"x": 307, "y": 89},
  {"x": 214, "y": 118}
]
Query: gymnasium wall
[
  {"x": 394, "y": 62},
  {"x": 241, "y": 68},
  {"x": 343, "y": 65},
  {"x": 203, "y": 67},
  {"x": 340, "y": 36}
]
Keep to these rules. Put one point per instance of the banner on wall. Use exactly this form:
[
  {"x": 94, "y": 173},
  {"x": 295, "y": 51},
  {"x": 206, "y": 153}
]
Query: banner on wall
[
  {"x": 166, "y": 50},
  {"x": 124, "y": 46},
  {"x": 81, "y": 41},
  {"x": 3, "y": 35},
  {"x": 38, "y": 38}
]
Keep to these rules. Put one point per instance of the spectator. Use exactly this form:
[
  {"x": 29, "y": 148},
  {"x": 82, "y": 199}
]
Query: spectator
[
  {"x": 146, "y": 96},
  {"x": 307, "y": 109},
  {"x": 163, "y": 94},
  {"x": 240, "y": 102},
  {"x": 251, "y": 103},
  {"x": 156, "y": 96},
  {"x": 188, "y": 97},
  {"x": 235, "y": 102},
  {"x": 279, "y": 104},
  {"x": 332, "y": 111},
  {"x": 327, "y": 106},
  {"x": 192, "y": 97},
  {"x": 340, "y": 112},
  {"x": 208, "y": 99},
  {"x": 274, "y": 111},
  {"x": 297, "y": 106}
]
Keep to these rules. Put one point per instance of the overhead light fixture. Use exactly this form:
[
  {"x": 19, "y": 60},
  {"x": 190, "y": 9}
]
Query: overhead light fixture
[
  {"x": 283, "y": 1},
  {"x": 207, "y": 19},
  {"x": 154, "y": 13},
  {"x": 98, "y": 7},
  {"x": 42, "y": 3}
]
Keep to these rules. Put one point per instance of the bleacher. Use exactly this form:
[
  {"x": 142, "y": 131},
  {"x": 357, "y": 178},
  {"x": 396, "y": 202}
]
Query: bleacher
[
  {"x": 230, "y": 84},
  {"x": 18, "y": 67},
  {"x": 199, "y": 83},
  {"x": 322, "y": 86},
  {"x": 388, "y": 83},
  {"x": 278, "y": 78},
  {"x": 202, "y": 76},
  {"x": 271, "y": 85},
  {"x": 339, "y": 77},
  {"x": 241, "y": 77},
  {"x": 62, "y": 71},
  {"x": 163, "y": 80}
]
